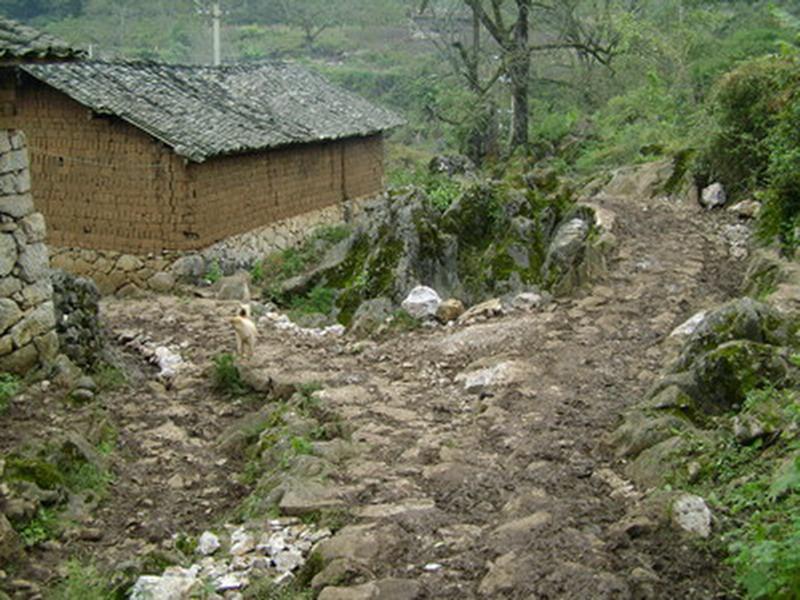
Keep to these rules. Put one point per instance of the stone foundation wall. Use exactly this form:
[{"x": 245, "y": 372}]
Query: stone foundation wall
[
  {"x": 126, "y": 274},
  {"x": 27, "y": 318}
]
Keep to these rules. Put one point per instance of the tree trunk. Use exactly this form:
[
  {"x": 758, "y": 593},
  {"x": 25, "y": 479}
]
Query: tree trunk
[{"x": 519, "y": 72}]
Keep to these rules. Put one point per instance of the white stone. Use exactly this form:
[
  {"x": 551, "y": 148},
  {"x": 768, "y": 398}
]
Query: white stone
[
  {"x": 689, "y": 326},
  {"x": 527, "y": 301},
  {"x": 691, "y": 513},
  {"x": 231, "y": 581},
  {"x": 207, "y": 544},
  {"x": 480, "y": 380},
  {"x": 273, "y": 544},
  {"x": 242, "y": 542},
  {"x": 288, "y": 560},
  {"x": 422, "y": 302},
  {"x": 714, "y": 196},
  {"x": 168, "y": 361},
  {"x": 174, "y": 584}
]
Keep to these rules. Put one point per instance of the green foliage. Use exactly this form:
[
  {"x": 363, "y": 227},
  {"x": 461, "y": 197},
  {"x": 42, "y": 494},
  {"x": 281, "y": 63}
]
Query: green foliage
[
  {"x": 319, "y": 300},
  {"x": 440, "y": 190},
  {"x": 214, "y": 272},
  {"x": 110, "y": 377},
  {"x": 84, "y": 581},
  {"x": 42, "y": 527},
  {"x": 226, "y": 376},
  {"x": 9, "y": 387},
  {"x": 266, "y": 589},
  {"x": 756, "y": 487}
]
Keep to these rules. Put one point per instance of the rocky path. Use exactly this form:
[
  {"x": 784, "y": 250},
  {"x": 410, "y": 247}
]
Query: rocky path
[{"x": 475, "y": 465}]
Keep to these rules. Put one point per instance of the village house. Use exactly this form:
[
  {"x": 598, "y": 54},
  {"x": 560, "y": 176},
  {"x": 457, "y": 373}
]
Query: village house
[{"x": 140, "y": 159}]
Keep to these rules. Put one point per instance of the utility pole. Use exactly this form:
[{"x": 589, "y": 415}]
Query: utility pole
[{"x": 216, "y": 16}]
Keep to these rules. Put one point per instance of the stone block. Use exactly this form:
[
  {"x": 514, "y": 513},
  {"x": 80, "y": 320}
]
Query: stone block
[
  {"x": 128, "y": 262},
  {"x": 47, "y": 345},
  {"x": 10, "y": 314},
  {"x": 9, "y": 285},
  {"x": 34, "y": 262},
  {"x": 6, "y": 345},
  {"x": 13, "y": 161},
  {"x": 33, "y": 226},
  {"x": 39, "y": 322},
  {"x": 15, "y": 205},
  {"x": 161, "y": 282},
  {"x": 8, "y": 254},
  {"x": 20, "y": 361},
  {"x": 37, "y": 293}
]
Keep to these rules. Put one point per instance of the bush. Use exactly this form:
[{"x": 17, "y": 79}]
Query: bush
[
  {"x": 9, "y": 387},
  {"x": 746, "y": 104},
  {"x": 227, "y": 378}
]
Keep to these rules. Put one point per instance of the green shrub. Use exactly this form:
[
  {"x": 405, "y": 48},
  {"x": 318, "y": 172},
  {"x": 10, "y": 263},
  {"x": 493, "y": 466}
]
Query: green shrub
[
  {"x": 319, "y": 300},
  {"x": 226, "y": 375},
  {"x": 214, "y": 273},
  {"x": 746, "y": 105},
  {"x": 9, "y": 387}
]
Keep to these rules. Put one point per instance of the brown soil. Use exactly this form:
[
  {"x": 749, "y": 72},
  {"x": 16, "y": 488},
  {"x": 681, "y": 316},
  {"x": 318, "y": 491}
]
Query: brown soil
[{"x": 446, "y": 467}]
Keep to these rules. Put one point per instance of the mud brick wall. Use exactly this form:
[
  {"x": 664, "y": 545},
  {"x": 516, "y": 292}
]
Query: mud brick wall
[
  {"x": 236, "y": 194},
  {"x": 27, "y": 318},
  {"x": 100, "y": 182}
]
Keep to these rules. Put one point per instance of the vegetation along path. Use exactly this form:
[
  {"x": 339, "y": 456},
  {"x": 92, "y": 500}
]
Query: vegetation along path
[{"x": 456, "y": 462}]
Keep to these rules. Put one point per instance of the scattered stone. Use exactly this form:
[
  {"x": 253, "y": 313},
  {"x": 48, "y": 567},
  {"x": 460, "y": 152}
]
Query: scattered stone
[
  {"x": 208, "y": 544},
  {"x": 161, "y": 282},
  {"x": 235, "y": 287},
  {"x": 305, "y": 497},
  {"x": 691, "y": 325},
  {"x": 168, "y": 361},
  {"x": 691, "y": 513},
  {"x": 746, "y": 209},
  {"x": 10, "y": 545},
  {"x": 713, "y": 196},
  {"x": 527, "y": 301},
  {"x": 484, "y": 310},
  {"x": 175, "y": 584},
  {"x": 242, "y": 542},
  {"x": 422, "y": 302},
  {"x": 190, "y": 268},
  {"x": 479, "y": 381},
  {"x": 450, "y": 310}
]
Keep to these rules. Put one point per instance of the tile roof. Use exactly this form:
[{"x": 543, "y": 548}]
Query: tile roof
[
  {"x": 18, "y": 42},
  {"x": 209, "y": 111}
]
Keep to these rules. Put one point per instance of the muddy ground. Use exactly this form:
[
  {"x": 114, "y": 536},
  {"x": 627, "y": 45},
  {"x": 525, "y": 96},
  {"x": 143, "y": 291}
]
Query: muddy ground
[{"x": 501, "y": 492}]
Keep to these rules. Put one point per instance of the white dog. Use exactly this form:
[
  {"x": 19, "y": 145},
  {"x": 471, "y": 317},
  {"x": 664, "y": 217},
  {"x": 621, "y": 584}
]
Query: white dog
[{"x": 245, "y": 331}]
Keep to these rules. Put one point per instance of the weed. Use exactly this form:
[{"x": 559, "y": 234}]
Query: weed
[
  {"x": 83, "y": 581},
  {"x": 214, "y": 273},
  {"x": 42, "y": 527},
  {"x": 9, "y": 387},
  {"x": 266, "y": 589},
  {"x": 109, "y": 377},
  {"x": 319, "y": 300},
  {"x": 257, "y": 272},
  {"x": 301, "y": 445},
  {"x": 85, "y": 477},
  {"x": 227, "y": 378}
]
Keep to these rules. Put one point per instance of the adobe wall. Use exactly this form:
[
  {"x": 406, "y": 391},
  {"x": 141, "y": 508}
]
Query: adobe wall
[
  {"x": 100, "y": 182},
  {"x": 27, "y": 318},
  {"x": 232, "y": 195}
]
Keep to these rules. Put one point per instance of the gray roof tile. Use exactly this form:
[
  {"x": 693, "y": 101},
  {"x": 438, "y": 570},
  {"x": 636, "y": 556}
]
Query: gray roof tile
[
  {"x": 18, "y": 41},
  {"x": 208, "y": 111}
]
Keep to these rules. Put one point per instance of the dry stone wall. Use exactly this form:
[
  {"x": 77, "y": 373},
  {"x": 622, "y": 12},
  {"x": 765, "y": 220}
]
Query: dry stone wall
[
  {"x": 127, "y": 274},
  {"x": 27, "y": 319}
]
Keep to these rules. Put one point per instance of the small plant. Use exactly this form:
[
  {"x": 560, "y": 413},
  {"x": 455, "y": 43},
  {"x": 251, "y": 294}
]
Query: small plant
[
  {"x": 83, "y": 581},
  {"x": 227, "y": 378},
  {"x": 110, "y": 377},
  {"x": 319, "y": 300},
  {"x": 9, "y": 387},
  {"x": 42, "y": 527},
  {"x": 257, "y": 272},
  {"x": 301, "y": 445},
  {"x": 214, "y": 273}
]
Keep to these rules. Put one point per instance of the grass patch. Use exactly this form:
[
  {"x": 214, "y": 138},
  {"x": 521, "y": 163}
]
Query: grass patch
[
  {"x": 320, "y": 299},
  {"x": 83, "y": 581},
  {"x": 9, "y": 387},
  {"x": 755, "y": 490},
  {"x": 42, "y": 527},
  {"x": 214, "y": 272},
  {"x": 226, "y": 376},
  {"x": 109, "y": 377}
]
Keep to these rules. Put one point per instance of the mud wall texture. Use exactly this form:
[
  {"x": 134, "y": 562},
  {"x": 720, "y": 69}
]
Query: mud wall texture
[
  {"x": 27, "y": 319},
  {"x": 103, "y": 184}
]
